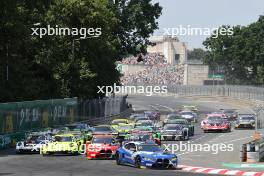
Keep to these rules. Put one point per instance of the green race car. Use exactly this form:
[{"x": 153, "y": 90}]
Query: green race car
[{"x": 62, "y": 144}]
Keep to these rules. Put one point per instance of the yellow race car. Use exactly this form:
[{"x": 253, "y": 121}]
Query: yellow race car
[
  {"x": 61, "y": 144},
  {"x": 116, "y": 122}
]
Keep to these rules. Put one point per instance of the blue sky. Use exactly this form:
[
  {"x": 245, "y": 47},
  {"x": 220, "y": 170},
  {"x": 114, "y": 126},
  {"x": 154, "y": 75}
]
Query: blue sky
[{"x": 207, "y": 13}]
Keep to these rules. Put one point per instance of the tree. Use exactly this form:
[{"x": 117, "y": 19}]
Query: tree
[
  {"x": 241, "y": 54},
  {"x": 196, "y": 54},
  {"x": 42, "y": 68}
]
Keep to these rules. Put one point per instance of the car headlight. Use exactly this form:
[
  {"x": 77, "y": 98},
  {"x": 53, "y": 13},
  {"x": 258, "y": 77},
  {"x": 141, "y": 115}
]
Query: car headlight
[{"x": 174, "y": 159}]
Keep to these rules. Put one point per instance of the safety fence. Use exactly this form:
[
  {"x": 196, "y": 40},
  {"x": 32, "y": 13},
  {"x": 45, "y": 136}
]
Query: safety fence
[
  {"x": 20, "y": 117},
  {"x": 96, "y": 108},
  {"x": 243, "y": 92}
]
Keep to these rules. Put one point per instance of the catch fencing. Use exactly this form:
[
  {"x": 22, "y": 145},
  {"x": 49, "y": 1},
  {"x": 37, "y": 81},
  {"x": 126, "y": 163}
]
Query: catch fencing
[
  {"x": 20, "y": 117},
  {"x": 242, "y": 92},
  {"x": 96, "y": 109}
]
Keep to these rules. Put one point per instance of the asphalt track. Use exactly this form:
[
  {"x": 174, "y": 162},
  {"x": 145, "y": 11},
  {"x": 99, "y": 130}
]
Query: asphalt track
[{"x": 12, "y": 164}]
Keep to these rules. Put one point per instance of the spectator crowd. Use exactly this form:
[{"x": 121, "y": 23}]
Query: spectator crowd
[{"x": 157, "y": 71}]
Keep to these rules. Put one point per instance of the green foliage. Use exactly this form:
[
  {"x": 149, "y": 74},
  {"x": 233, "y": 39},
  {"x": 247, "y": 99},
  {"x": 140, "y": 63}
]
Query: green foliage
[
  {"x": 43, "y": 68},
  {"x": 241, "y": 54},
  {"x": 196, "y": 54}
]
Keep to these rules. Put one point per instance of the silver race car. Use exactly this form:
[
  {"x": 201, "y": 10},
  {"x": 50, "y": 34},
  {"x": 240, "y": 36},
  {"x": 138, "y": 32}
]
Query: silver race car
[
  {"x": 33, "y": 143},
  {"x": 245, "y": 121}
]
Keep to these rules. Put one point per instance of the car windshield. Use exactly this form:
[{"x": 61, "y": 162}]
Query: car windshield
[
  {"x": 76, "y": 127},
  {"x": 116, "y": 122},
  {"x": 247, "y": 118},
  {"x": 179, "y": 121},
  {"x": 174, "y": 117},
  {"x": 102, "y": 128},
  {"x": 186, "y": 113},
  {"x": 142, "y": 129},
  {"x": 214, "y": 118},
  {"x": 172, "y": 127},
  {"x": 102, "y": 140},
  {"x": 140, "y": 137},
  {"x": 149, "y": 148},
  {"x": 63, "y": 138},
  {"x": 126, "y": 127}
]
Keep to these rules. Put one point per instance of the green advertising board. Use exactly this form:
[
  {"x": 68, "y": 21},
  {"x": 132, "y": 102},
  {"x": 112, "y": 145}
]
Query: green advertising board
[
  {"x": 216, "y": 76},
  {"x": 32, "y": 115}
]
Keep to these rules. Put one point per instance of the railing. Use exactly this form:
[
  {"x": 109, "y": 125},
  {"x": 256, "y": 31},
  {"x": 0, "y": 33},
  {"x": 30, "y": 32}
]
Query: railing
[{"x": 242, "y": 92}]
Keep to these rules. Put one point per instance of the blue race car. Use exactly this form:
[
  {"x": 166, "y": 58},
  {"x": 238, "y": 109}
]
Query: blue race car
[{"x": 142, "y": 154}]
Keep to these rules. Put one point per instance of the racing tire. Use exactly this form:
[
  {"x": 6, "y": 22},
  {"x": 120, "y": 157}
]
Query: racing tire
[
  {"x": 229, "y": 130},
  {"x": 75, "y": 153},
  {"x": 19, "y": 152},
  {"x": 138, "y": 162},
  {"x": 117, "y": 156},
  {"x": 47, "y": 154}
]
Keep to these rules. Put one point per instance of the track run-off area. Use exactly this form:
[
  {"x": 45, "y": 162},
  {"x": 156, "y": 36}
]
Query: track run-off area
[{"x": 190, "y": 162}]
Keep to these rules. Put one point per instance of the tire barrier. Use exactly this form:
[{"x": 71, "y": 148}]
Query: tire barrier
[{"x": 253, "y": 151}]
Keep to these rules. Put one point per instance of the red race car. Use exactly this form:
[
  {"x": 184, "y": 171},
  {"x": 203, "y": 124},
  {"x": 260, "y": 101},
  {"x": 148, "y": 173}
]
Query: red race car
[
  {"x": 101, "y": 147},
  {"x": 215, "y": 122}
]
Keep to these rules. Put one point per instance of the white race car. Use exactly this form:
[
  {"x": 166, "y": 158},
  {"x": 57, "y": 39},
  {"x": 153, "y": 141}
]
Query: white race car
[{"x": 33, "y": 143}]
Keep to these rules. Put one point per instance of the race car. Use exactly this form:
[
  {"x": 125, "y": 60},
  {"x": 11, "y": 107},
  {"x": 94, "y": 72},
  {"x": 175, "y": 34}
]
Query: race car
[
  {"x": 124, "y": 129},
  {"x": 245, "y": 121},
  {"x": 171, "y": 117},
  {"x": 115, "y": 123},
  {"x": 83, "y": 127},
  {"x": 132, "y": 117},
  {"x": 140, "y": 118},
  {"x": 147, "y": 131},
  {"x": 81, "y": 137},
  {"x": 193, "y": 108},
  {"x": 103, "y": 129},
  {"x": 61, "y": 144},
  {"x": 231, "y": 114},
  {"x": 101, "y": 147},
  {"x": 33, "y": 143},
  {"x": 185, "y": 123},
  {"x": 142, "y": 154},
  {"x": 189, "y": 115},
  {"x": 174, "y": 132},
  {"x": 144, "y": 123},
  {"x": 152, "y": 115},
  {"x": 215, "y": 122}
]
